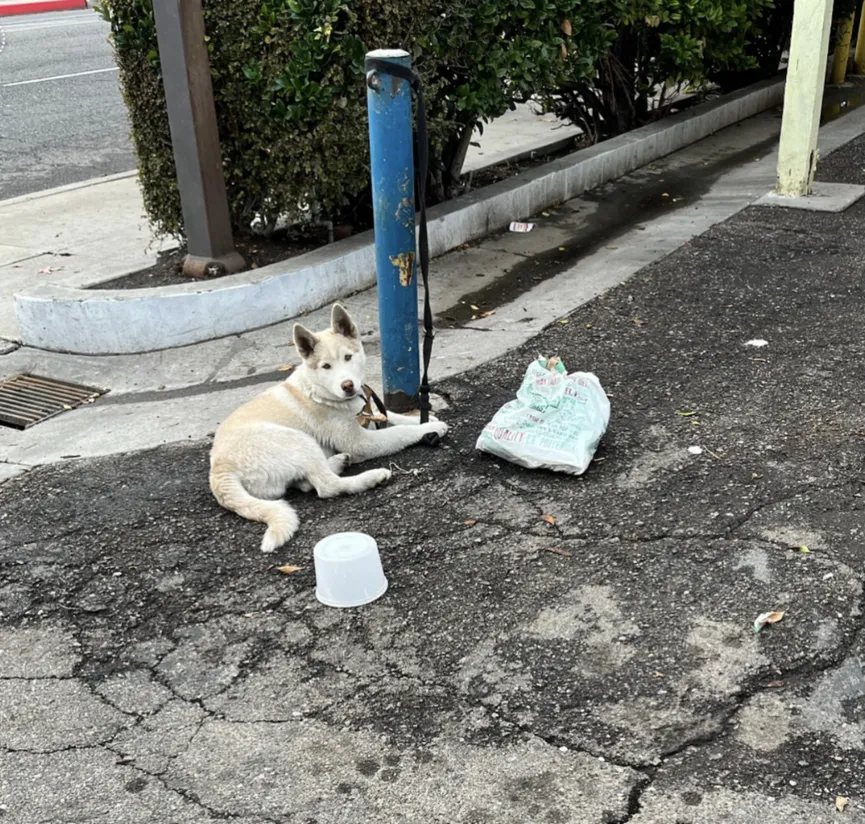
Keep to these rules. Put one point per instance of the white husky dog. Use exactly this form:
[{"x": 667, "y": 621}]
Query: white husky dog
[{"x": 304, "y": 432}]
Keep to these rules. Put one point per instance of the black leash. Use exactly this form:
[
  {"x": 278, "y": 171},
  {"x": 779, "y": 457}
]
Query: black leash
[{"x": 373, "y": 65}]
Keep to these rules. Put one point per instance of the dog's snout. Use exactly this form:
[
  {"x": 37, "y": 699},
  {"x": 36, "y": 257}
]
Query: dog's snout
[{"x": 348, "y": 387}]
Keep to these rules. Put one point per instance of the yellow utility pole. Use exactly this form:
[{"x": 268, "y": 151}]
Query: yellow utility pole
[
  {"x": 803, "y": 96},
  {"x": 859, "y": 55},
  {"x": 842, "y": 50}
]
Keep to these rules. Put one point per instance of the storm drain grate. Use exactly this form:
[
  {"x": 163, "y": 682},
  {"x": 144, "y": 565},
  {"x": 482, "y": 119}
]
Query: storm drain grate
[{"x": 26, "y": 400}]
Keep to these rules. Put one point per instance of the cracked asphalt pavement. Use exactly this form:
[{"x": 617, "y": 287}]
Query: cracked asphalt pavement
[{"x": 155, "y": 667}]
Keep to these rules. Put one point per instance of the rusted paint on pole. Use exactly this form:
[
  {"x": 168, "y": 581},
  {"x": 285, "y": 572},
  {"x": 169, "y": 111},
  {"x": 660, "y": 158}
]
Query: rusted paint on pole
[{"x": 195, "y": 138}]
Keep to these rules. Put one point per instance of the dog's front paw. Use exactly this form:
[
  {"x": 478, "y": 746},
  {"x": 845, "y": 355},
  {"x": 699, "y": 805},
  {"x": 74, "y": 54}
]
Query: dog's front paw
[
  {"x": 380, "y": 476},
  {"x": 439, "y": 428}
]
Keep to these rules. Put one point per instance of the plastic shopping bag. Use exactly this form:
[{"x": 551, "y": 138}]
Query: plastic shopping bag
[{"x": 556, "y": 421}]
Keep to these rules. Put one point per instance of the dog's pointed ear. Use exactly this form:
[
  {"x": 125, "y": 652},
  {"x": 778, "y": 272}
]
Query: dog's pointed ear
[
  {"x": 304, "y": 340},
  {"x": 341, "y": 322}
]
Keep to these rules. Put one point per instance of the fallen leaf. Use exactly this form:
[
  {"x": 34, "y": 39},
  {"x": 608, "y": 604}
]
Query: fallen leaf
[
  {"x": 475, "y": 308},
  {"x": 685, "y": 413},
  {"x": 774, "y": 684},
  {"x": 286, "y": 367},
  {"x": 562, "y": 249},
  {"x": 470, "y": 522},
  {"x": 767, "y": 618},
  {"x": 545, "y": 214},
  {"x": 487, "y": 314},
  {"x": 803, "y": 548},
  {"x": 841, "y": 802},
  {"x": 563, "y": 322},
  {"x": 557, "y": 551},
  {"x": 66, "y": 406},
  {"x": 550, "y": 519},
  {"x": 288, "y": 569}
]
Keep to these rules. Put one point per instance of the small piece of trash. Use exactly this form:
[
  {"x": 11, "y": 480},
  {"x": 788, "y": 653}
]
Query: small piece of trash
[
  {"x": 557, "y": 551},
  {"x": 685, "y": 413},
  {"x": 841, "y": 802},
  {"x": 695, "y": 450},
  {"x": 828, "y": 575},
  {"x": 564, "y": 321},
  {"x": 759, "y": 343},
  {"x": 286, "y": 367},
  {"x": 288, "y": 569},
  {"x": 521, "y": 227},
  {"x": 774, "y": 684},
  {"x": 470, "y": 522},
  {"x": 487, "y": 314},
  {"x": 767, "y": 618},
  {"x": 49, "y": 269},
  {"x": 550, "y": 519}
]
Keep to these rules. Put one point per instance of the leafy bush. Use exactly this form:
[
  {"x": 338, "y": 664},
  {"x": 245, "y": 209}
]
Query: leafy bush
[{"x": 291, "y": 102}]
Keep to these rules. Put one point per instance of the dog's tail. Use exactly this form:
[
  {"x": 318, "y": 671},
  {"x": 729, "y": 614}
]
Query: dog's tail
[{"x": 282, "y": 521}]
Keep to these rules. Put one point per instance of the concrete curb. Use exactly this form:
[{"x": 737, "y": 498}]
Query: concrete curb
[
  {"x": 39, "y": 6},
  {"x": 67, "y": 187},
  {"x": 127, "y": 321}
]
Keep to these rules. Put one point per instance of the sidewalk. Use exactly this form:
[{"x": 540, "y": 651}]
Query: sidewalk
[
  {"x": 78, "y": 235},
  {"x": 87, "y": 233},
  {"x": 576, "y": 252},
  {"x": 601, "y": 669}
]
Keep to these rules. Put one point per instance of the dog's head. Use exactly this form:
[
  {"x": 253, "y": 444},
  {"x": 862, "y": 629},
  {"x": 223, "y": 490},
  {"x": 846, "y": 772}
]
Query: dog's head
[{"x": 334, "y": 360}]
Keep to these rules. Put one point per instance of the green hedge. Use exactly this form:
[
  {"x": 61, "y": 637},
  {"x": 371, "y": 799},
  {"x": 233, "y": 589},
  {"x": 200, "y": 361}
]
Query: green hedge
[{"x": 290, "y": 98}]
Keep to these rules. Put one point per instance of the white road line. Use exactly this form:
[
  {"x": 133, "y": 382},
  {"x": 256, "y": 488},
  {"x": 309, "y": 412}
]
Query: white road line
[
  {"x": 54, "y": 24},
  {"x": 56, "y": 77},
  {"x": 2, "y": 39}
]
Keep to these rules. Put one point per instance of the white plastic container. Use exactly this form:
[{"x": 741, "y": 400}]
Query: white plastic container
[{"x": 348, "y": 570}]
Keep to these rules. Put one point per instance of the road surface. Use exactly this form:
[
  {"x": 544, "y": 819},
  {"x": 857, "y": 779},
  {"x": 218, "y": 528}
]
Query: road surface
[{"x": 62, "y": 118}]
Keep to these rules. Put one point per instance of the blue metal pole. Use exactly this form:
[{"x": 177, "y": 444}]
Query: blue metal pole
[{"x": 392, "y": 166}]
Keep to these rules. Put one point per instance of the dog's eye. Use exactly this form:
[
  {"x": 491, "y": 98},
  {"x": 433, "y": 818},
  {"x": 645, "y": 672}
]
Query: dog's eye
[
  {"x": 348, "y": 357},
  {"x": 325, "y": 366}
]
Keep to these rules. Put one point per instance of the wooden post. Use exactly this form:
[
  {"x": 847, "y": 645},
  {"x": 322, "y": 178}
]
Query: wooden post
[
  {"x": 195, "y": 139},
  {"x": 803, "y": 96},
  {"x": 842, "y": 50}
]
